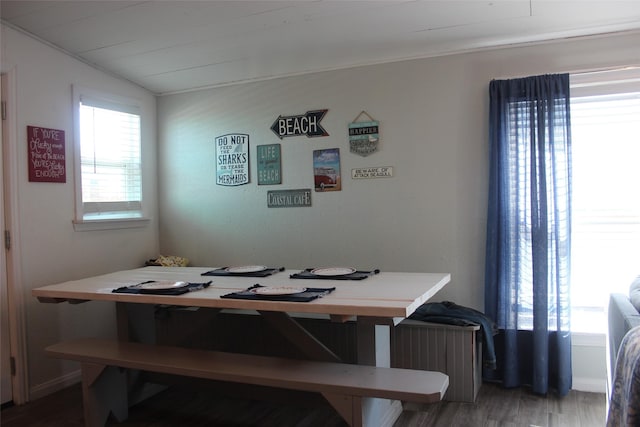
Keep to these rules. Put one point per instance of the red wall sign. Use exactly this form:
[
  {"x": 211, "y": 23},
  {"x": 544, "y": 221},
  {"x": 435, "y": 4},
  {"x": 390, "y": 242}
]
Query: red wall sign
[{"x": 46, "y": 155}]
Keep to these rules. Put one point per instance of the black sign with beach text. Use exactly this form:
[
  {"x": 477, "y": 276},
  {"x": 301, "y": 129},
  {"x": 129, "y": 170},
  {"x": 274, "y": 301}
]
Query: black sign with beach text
[{"x": 305, "y": 124}]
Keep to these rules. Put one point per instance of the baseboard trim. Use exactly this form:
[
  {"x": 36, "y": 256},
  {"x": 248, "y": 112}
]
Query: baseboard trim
[
  {"x": 592, "y": 385},
  {"x": 579, "y": 339},
  {"x": 56, "y": 384}
]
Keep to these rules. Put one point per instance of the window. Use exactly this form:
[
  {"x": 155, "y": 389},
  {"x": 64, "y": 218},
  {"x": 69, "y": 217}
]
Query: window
[
  {"x": 605, "y": 125},
  {"x": 109, "y": 161}
]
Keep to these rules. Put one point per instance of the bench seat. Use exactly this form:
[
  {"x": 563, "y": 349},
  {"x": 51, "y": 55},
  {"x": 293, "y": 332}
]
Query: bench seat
[{"x": 343, "y": 385}]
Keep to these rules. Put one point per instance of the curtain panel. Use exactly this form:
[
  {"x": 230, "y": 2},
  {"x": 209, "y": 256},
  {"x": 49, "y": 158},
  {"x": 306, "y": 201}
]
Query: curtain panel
[{"x": 528, "y": 246}]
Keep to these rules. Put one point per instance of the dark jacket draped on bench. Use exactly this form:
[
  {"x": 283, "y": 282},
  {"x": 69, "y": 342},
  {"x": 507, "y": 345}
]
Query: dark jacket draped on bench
[{"x": 450, "y": 313}]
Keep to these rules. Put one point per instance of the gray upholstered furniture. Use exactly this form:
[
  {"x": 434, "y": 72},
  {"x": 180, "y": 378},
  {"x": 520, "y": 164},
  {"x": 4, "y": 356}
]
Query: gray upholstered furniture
[{"x": 624, "y": 314}]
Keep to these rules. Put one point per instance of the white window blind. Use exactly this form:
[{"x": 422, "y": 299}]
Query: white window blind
[
  {"x": 606, "y": 207},
  {"x": 110, "y": 160}
]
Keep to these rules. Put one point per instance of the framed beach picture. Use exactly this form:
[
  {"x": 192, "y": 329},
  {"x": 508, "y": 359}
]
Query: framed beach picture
[{"x": 326, "y": 170}]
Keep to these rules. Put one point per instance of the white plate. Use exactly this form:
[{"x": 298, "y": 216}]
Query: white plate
[
  {"x": 246, "y": 269},
  {"x": 277, "y": 290},
  {"x": 333, "y": 271},
  {"x": 160, "y": 284}
]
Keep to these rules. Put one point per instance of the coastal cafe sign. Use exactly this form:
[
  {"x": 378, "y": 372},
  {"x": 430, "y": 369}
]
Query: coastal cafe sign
[
  {"x": 289, "y": 198},
  {"x": 232, "y": 159}
]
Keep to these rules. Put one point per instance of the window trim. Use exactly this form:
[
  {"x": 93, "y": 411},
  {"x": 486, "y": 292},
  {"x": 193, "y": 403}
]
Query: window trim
[{"x": 82, "y": 221}]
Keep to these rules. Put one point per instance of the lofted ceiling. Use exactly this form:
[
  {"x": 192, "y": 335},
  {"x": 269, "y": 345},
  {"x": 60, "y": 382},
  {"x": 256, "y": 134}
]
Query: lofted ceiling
[{"x": 174, "y": 46}]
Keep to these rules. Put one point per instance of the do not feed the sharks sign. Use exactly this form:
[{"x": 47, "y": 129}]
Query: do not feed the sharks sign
[{"x": 307, "y": 124}]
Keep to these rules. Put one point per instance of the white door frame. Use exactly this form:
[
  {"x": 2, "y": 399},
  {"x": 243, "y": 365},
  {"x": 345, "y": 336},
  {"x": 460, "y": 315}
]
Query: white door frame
[
  {"x": 15, "y": 291},
  {"x": 5, "y": 374}
]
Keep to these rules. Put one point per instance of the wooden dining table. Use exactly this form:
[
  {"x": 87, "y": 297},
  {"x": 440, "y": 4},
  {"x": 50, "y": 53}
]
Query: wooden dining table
[{"x": 376, "y": 303}]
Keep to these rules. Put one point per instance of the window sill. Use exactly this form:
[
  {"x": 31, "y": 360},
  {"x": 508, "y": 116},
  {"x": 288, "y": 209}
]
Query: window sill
[{"x": 109, "y": 224}]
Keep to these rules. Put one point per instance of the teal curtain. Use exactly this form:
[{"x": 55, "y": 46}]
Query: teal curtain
[{"x": 528, "y": 248}]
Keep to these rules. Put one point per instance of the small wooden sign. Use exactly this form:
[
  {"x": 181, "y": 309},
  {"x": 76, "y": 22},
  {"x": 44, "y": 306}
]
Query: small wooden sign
[
  {"x": 46, "y": 155},
  {"x": 368, "y": 173},
  {"x": 232, "y": 159},
  {"x": 269, "y": 166},
  {"x": 289, "y": 198},
  {"x": 364, "y": 135}
]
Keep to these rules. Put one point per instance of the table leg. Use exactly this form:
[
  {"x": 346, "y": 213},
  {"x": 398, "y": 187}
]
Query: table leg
[
  {"x": 136, "y": 322},
  {"x": 299, "y": 336},
  {"x": 104, "y": 392},
  {"x": 373, "y": 347},
  {"x": 171, "y": 330}
]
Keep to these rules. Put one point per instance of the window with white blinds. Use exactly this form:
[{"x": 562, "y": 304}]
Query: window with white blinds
[
  {"x": 110, "y": 163},
  {"x": 606, "y": 204}
]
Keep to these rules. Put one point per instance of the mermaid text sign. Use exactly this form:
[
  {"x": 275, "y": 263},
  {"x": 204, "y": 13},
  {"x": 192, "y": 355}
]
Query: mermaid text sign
[{"x": 232, "y": 159}]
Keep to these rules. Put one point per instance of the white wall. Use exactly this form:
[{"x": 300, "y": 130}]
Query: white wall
[
  {"x": 50, "y": 250},
  {"x": 430, "y": 216}
]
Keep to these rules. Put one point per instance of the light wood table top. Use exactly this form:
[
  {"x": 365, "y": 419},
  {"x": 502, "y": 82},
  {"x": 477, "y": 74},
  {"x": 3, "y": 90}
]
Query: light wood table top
[{"x": 384, "y": 295}]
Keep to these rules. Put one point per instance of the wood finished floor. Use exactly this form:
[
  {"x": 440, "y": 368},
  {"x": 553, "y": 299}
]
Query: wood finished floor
[{"x": 494, "y": 406}]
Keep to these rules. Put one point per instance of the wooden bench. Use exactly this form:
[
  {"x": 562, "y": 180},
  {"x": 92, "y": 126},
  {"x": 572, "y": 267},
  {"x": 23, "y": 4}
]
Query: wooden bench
[{"x": 104, "y": 384}]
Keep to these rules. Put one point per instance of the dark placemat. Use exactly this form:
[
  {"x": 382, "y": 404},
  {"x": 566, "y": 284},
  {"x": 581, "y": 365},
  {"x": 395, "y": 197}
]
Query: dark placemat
[
  {"x": 135, "y": 289},
  {"x": 357, "y": 275},
  {"x": 308, "y": 295},
  {"x": 263, "y": 273}
]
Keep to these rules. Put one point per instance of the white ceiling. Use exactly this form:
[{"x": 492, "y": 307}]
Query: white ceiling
[{"x": 174, "y": 46}]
